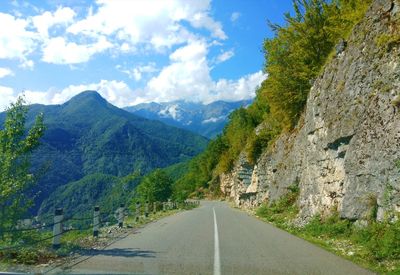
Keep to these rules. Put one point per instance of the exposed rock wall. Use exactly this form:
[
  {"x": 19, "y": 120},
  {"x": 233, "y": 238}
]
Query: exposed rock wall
[{"x": 345, "y": 153}]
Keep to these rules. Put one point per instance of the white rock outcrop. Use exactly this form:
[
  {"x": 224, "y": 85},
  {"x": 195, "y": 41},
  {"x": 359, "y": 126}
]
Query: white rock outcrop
[{"x": 345, "y": 153}]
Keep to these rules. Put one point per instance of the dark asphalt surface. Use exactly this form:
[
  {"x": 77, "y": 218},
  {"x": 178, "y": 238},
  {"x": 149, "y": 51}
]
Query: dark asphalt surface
[{"x": 185, "y": 243}]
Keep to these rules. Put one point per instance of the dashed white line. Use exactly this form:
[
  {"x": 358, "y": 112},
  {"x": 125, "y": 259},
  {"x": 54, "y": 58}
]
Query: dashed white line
[{"x": 217, "y": 262}]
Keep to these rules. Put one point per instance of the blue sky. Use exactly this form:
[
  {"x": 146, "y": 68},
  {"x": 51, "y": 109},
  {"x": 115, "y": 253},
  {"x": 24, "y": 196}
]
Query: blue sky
[{"x": 134, "y": 51}]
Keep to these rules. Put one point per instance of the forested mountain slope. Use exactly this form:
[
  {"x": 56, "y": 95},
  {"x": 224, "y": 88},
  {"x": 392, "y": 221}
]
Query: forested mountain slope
[{"x": 87, "y": 135}]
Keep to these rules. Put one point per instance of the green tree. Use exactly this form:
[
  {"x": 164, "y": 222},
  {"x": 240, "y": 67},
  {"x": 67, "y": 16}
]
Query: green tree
[
  {"x": 295, "y": 56},
  {"x": 200, "y": 170},
  {"x": 16, "y": 146},
  {"x": 157, "y": 186}
]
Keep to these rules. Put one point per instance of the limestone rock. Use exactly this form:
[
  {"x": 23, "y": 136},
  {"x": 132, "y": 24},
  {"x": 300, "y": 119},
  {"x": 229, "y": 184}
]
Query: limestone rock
[{"x": 345, "y": 155}]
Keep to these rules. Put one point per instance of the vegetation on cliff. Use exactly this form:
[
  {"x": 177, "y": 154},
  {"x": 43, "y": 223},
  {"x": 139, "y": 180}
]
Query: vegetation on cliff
[
  {"x": 375, "y": 245},
  {"x": 294, "y": 57}
]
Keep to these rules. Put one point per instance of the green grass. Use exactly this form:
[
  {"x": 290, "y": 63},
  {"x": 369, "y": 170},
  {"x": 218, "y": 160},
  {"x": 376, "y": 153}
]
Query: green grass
[
  {"x": 26, "y": 250},
  {"x": 387, "y": 40},
  {"x": 283, "y": 211},
  {"x": 375, "y": 246}
]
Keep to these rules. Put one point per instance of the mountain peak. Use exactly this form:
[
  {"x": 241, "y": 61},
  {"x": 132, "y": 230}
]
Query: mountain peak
[
  {"x": 85, "y": 98},
  {"x": 89, "y": 94},
  {"x": 205, "y": 119}
]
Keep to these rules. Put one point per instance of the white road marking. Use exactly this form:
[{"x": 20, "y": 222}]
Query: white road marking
[{"x": 217, "y": 262}]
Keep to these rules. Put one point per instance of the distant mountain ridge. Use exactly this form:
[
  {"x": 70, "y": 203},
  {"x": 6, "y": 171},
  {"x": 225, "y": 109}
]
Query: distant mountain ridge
[
  {"x": 88, "y": 135},
  {"x": 205, "y": 119}
]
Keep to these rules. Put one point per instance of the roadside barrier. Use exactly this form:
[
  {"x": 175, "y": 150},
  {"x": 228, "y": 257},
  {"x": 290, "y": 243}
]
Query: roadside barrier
[{"x": 60, "y": 225}]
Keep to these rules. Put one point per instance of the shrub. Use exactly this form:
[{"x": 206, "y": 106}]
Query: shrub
[
  {"x": 387, "y": 40},
  {"x": 282, "y": 211},
  {"x": 332, "y": 226},
  {"x": 381, "y": 239}
]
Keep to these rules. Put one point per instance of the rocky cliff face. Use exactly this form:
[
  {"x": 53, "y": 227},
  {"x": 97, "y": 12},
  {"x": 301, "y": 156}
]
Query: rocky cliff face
[{"x": 345, "y": 152}]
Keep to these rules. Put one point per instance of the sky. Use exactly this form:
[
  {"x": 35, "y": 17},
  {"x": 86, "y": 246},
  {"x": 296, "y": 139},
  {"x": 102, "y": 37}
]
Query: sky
[{"x": 134, "y": 51}]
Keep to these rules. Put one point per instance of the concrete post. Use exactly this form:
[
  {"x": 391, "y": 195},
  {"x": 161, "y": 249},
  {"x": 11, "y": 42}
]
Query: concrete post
[
  {"x": 146, "y": 210},
  {"x": 57, "y": 228},
  {"x": 121, "y": 211},
  {"x": 154, "y": 207},
  {"x": 96, "y": 221},
  {"x": 137, "y": 211}
]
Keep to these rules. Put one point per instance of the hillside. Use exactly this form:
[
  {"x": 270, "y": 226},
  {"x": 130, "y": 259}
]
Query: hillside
[
  {"x": 205, "y": 119},
  {"x": 87, "y": 135},
  {"x": 95, "y": 189},
  {"x": 344, "y": 153},
  {"x": 325, "y": 121}
]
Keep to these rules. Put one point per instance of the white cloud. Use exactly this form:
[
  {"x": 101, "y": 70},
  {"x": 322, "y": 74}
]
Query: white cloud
[
  {"x": 225, "y": 56},
  {"x": 5, "y": 72},
  {"x": 125, "y": 26},
  {"x": 134, "y": 27},
  {"x": 15, "y": 40},
  {"x": 151, "y": 22},
  {"x": 200, "y": 20},
  {"x": 6, "y": 97},
  {"x": 59, "y": 51},
  {"x": 27, "y": 64},
  {"x": 116, "y": 92},
  {"x": 137, "y": 72},
  {"x": 232, "y": 90},
  {"x": 43, "y": 22},
  {"x": 9, "y": 95},
  {"x": 167, "y": 86},
  {"x": 188, "y": 77},
  {"x": 235, "y": 16},
  {"x": 40, "y": 97}
]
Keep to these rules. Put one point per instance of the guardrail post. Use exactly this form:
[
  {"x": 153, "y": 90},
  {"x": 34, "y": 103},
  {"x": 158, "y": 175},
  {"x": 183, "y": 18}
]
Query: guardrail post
[
  {"x": 154, "y": 207},
  {"x": 57, "y": 228},
  {"x": 137, "y": 211},
  {"x": 146, "y": 209},
  {"x": 96, "y": 221},
  {"x": 121, "y": 210},
  {"x": 163, "y": 206}
]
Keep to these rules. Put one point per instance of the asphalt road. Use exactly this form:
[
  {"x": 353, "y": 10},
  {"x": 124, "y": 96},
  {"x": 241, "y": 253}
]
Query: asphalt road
[{"x": 212, "y": 239}]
